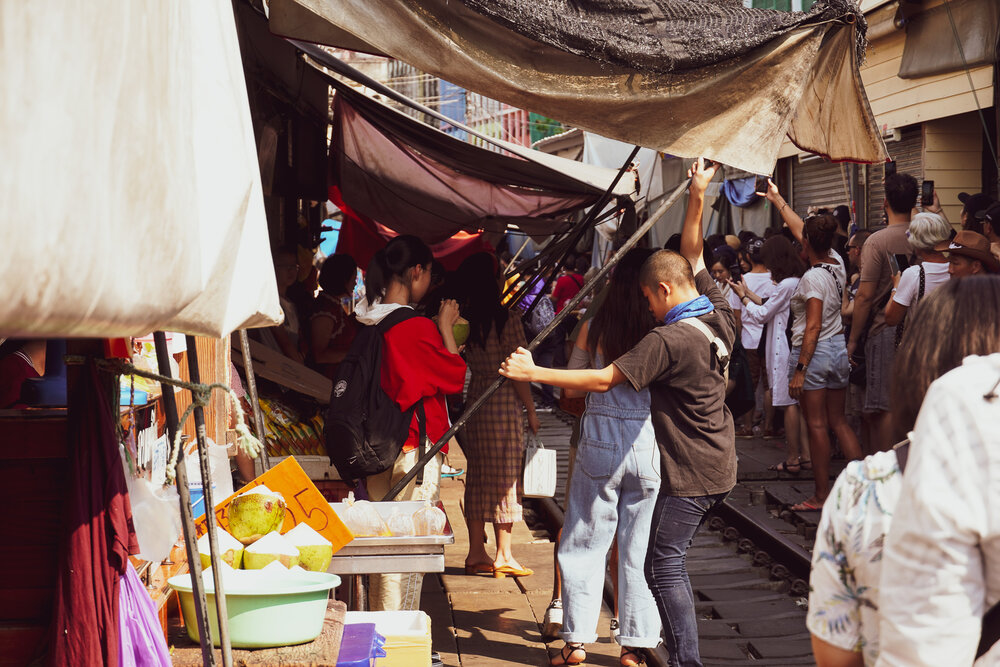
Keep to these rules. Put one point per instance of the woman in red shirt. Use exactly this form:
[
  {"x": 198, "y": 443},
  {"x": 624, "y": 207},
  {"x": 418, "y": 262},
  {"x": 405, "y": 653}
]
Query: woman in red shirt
[{"x": 420, "y": 360}]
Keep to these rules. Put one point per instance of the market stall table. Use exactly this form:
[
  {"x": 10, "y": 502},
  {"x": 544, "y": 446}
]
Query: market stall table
[
  {"x": 390, "y": 555},
  {"x": 322, "y": 652}
]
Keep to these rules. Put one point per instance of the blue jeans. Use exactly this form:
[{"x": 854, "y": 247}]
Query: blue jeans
[
  {"x": 675, "y": 522},
  {"x": 616, "y": 477}
]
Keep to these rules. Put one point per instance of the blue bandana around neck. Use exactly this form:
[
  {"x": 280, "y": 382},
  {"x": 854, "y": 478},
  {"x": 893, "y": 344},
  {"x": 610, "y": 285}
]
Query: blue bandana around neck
[{"x": 692, "y": 308}]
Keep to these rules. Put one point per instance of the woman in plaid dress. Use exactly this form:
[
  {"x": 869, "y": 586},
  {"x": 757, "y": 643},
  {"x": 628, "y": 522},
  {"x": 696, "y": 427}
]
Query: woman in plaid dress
[{"x": 493, "y": 438}]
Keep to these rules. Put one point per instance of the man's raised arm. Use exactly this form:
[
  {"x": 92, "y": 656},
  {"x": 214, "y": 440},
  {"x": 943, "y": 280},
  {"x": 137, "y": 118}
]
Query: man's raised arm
[{"x": 692, "y": 239}]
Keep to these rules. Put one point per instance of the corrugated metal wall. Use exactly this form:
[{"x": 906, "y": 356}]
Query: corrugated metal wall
[{"x": 818, "y": 183}]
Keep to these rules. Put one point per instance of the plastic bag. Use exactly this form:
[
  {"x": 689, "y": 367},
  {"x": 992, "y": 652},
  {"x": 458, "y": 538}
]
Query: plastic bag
[
  {"x": 539, "y": 469},
  {"x": 140, "y": 637},
  {"x": 156, "y": 513},
  {"x": 401, "y": 523},
  {"x": 218, "y": 471},
  {"x": 363, "y": 519},
  {"x": 429, "y": 520}
]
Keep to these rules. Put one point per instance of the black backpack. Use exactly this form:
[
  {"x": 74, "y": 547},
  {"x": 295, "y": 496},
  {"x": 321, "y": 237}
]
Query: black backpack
[{"x": 365, "y": 429}]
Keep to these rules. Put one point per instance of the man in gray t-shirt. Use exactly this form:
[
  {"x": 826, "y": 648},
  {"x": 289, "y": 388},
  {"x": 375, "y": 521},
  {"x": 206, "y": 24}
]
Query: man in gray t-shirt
[
  {"x": 869, "y": 306},
  {"x": 694, "y": 428}
]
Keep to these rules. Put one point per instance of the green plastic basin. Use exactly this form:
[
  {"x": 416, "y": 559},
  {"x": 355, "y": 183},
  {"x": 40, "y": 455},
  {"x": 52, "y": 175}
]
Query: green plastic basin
[{"x": 264, "y": 610}]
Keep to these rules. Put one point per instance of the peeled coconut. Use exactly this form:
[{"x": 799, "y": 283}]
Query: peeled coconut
[
  {"x": 315, "y": 551},
  {"x": 255, "y": 513},
  {"x": 272, "y": 547},
  {"x": 230, "y": 549}
]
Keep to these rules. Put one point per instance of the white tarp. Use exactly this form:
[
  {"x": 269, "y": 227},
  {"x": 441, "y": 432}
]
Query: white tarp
[{"x": 131, "y": 192}]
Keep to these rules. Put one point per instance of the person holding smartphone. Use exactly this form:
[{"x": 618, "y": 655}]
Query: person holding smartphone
[{"x": 913, "y": 283}]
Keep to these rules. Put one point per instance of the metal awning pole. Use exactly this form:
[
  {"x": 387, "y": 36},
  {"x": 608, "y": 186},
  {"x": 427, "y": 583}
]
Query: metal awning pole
[
  {"x": 187, "y": 521},
  {"x": 517, "y": 254},
  {"x": 258, "y": 418},
  {"x": 582, "y": 227},
  {"x": 587, "y": 288},
  {"x": 194, "y": 374}
]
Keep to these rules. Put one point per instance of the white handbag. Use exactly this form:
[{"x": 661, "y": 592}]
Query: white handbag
[{"x": 539, "y": 469}]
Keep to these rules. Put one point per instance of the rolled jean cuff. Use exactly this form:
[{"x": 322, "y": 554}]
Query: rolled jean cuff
[
  {"x": 578, "y": 637},
  {"x": 639, "y": 642}
]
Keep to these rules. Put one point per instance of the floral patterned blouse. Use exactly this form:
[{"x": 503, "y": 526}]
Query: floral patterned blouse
[{"x": 847, "y": 557}]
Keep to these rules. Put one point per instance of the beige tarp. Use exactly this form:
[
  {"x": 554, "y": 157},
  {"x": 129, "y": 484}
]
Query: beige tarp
[
  {"x": 803, "y": 84},
  {"x": 131, "y": 192}
]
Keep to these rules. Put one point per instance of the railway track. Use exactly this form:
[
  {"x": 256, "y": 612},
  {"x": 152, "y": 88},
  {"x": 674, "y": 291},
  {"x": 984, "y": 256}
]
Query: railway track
[{"x": 749, "y": 566}]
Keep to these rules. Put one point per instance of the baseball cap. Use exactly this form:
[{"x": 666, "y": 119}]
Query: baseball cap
[
  {"x": 972, "y": 245},
  {"x": 975, "y": 203},
  {"x": 991, "y": 213}
]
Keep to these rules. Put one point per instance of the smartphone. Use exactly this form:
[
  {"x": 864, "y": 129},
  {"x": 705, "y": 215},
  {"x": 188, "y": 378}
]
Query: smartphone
[
  {"x": 898, "y": 263},
  {"x": 736, "y": 272},
  {"x": 927, "y": 193},
  {"x": 890, "y": 168},
  {"x": 761, "y": 184}
]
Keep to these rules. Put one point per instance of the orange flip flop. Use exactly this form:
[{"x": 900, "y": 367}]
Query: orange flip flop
[{"x": 510, "y": 571}]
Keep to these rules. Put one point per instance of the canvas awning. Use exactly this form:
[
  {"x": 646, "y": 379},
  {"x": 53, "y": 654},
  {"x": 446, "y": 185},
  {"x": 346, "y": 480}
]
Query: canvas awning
[
  {"x": 416, "y": 179},
  {"x": 687, "y": 78},
  {"x": 131, "y": 192}
]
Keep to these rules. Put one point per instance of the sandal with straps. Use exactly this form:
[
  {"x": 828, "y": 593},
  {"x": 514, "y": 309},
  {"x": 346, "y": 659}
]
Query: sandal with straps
[
  {"x": 633, "y": 657},
  {"x": 788, "y": 468},
  {"x": 567, "y": 658}
]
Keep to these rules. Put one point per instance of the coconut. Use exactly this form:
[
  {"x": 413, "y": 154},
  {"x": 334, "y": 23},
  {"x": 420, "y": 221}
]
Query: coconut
[
  {"x": 255, "y": 513},
  {"x": 315, "y": 551},
  {"x": 272, "y": 547},
  {"x": 460, "y": 330},
  {"x": 230, "y": 549}
]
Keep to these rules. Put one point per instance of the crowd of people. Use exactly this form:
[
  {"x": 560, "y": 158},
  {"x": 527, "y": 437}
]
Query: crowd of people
[{"x": 844, "y": 331}]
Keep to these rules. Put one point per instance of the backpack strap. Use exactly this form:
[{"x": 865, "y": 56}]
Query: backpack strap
[
  {"x": 829, "y": 269},
  {"x": 421, "y": 437},
  {"x": 923, "y": 283},
  {"x": 719, "y": 348},
  {"x": 397, "y": 316}
]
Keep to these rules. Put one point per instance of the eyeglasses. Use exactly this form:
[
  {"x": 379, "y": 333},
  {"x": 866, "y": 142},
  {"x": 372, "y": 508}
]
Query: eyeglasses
[{"x": 852, "y": 247}]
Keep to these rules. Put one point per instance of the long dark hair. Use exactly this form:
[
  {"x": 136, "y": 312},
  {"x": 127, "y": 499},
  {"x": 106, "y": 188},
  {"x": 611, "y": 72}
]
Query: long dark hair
[
  {"x": 478, "y": 287},
  {"x": 932, "y": 345},
  {"x": 392, "y": 262},
  {"x": 781, "y": 259},
  {"x": 624, "y": 317}
]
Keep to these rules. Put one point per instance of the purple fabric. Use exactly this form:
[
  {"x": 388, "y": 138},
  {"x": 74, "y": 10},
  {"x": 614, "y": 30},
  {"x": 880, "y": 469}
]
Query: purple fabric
[{"x": 141, "y": 637}]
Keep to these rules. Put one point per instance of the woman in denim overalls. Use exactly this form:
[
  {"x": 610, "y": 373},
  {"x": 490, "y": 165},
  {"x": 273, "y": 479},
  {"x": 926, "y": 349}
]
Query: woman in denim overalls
[{"x": 613, "y": 486}]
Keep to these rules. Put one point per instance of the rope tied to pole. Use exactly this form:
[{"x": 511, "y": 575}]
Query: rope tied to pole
[{"x": 201, "y": 395}]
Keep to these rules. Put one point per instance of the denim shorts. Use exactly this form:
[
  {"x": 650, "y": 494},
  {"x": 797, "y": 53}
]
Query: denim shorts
[{"x": 828, "y": 368}]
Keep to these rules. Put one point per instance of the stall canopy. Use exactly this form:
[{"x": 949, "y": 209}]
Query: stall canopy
[
  {"x": 416, "y": 179},
  {"x": 132, "y": 197},
  {"x": 688, "y": 78}
]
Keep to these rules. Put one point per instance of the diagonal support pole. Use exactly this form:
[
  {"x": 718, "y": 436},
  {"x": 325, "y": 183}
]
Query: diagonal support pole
[
  {"x": 194, "y": 374},
  {"x": 560, "y": 316}
]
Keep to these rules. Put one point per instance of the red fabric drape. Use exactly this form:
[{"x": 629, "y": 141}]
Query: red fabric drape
[
  {"x": 361, "y": 237},
  {"x": 98, "y": 533}
]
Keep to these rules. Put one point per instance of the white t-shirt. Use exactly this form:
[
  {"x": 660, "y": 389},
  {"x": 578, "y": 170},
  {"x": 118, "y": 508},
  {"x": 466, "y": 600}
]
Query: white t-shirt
[
  {"x": 761, "y": 285},
  {"x": 935, "y": 275},
  {"x": 818, "y": 283},
  {"x": 730, "y": 296}
]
